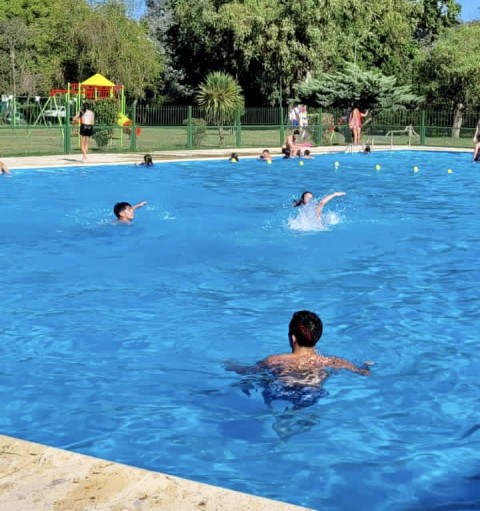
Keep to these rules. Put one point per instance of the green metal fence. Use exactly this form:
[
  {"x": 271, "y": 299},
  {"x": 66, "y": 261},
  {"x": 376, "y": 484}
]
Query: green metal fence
[{"x": 159, "y": 128}]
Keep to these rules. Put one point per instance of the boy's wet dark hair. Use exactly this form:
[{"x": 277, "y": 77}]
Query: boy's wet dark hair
[
  {"x": 147, "y": 160},
  {"x": 306, "y": 152},
  {"x": 307, "y": 328},
  {"x": 368, "y": 149},
  {"x": 234, "y": 157},
  {"x": 119, "y": 207}
]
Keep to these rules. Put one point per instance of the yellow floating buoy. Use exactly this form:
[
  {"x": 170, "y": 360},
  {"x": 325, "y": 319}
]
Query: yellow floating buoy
[
  {"x": 300, "y": 163},
  {"x": 450, "y": 171},
  {"x": 415, "y": 169},
  {"x": 377, "y": 167},
  {"x": 337, "y": 164},
  {"x": 269, "y": 162}
]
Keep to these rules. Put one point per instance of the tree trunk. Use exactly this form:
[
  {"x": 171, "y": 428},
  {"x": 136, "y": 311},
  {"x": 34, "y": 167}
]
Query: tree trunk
[{"x": 457, "y": 120}]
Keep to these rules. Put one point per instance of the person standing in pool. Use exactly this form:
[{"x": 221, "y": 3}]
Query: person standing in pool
[
  {"x": 476, "y": 139},
  {"x": 3, "y": 168},
  {"x": 307, "y": 197},
  {"x": 304, "y": 331},
  {"x": 125, "y": 212},
  {"x": 86, "y": 118}
]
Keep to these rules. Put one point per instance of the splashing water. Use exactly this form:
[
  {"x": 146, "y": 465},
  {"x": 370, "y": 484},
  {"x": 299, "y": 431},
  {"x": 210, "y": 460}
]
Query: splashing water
[{"x": 307, "y": 220}]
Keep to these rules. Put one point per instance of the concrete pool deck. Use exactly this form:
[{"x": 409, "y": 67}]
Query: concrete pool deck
[
  {"x": 42, "y": 478},
  {"x": 34, "y": 477}
]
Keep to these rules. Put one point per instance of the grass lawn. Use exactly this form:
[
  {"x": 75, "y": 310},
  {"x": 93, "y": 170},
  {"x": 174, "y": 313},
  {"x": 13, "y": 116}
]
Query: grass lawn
[{"x": 42, "y": 140}]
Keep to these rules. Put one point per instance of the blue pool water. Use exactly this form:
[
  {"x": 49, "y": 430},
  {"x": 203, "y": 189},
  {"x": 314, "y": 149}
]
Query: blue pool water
[{"x": 115, "y": 339}]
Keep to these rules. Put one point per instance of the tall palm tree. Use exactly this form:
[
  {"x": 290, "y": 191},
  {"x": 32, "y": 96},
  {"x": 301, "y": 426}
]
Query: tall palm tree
[{"x": 220, "y": 97}]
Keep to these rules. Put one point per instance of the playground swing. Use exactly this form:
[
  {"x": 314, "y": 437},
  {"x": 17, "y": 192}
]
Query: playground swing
[{"x": 95, "y": 87}]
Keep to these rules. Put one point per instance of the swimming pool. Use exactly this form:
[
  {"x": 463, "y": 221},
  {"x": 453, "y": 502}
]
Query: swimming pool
[{"x": 115, "y": 338}]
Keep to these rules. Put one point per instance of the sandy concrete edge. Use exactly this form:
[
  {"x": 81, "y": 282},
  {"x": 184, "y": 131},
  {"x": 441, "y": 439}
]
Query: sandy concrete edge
[{"x": 41, "y": 478}]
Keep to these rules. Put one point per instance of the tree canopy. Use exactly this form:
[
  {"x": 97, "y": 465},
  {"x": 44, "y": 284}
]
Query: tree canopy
[
  {"x": 269, "y": 45},
  {"x": 449, "y": 72},
  {"x": 41, "y": 49},
  {"x": 354, "y": 87}
]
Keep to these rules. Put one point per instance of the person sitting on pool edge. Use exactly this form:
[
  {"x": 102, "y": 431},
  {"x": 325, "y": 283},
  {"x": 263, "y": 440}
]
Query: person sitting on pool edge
[
  {"x": 304, "y": 332},
  {"x": 125, "y": 212},
  {"x": 308, "y": 196}
]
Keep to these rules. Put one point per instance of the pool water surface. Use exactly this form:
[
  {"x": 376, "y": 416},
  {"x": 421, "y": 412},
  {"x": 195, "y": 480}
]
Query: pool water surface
[{"x": 116, "y": 339}]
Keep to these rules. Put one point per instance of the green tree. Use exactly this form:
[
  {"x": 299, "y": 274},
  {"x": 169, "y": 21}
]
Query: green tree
[
  {"x": 449, "y": 74},
  {"x": 101, "y": 38},
  {"x": 269, "y": 45},
  {"x": 220, "y": 98},
  {"x": 14, "y": 39},
  {"x": 111, "y": 43},
  {"x": 352, "y": 86},
  {"x": 435, "y": 15}
]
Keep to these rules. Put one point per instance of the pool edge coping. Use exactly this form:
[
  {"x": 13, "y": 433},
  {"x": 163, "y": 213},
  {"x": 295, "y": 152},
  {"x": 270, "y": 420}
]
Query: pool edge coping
[
  {"x": 36, "y": 476},
  {"x": 105, "y": 159}
]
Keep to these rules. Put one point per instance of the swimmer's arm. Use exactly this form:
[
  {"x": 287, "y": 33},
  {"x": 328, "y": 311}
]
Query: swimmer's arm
[
  {"x": 3, "y": 168},
  {"x": 243, "y": 370},
  {"x": 323, "y": 202},
  {"x": 341, "y": 363},
  {"x": 139, "y": 205}
]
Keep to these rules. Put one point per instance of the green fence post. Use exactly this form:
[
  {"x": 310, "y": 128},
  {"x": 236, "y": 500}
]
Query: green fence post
[
  {"x": 319, "y": 128},
  {"x": 189, "y": 128},
  {"x": 133, "y": 134},
  {"x": 282, "y": 126},
  {"x": 238, "y": 130},
  {"x": 67, "y": 149},
  {"x": 422, "y": 129}
]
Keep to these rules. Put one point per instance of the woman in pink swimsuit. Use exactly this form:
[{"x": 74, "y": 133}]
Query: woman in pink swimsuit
[{"x": 355, "y": 124}]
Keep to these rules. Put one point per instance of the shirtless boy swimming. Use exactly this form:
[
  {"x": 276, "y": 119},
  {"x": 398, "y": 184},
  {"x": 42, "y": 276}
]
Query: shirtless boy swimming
[
  {"x": 304, "y": 331},
  {"x": 125, "y": 212}
]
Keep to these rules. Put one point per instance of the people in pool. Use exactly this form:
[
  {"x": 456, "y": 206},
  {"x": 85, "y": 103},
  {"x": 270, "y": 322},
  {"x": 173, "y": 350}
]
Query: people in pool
[
  {"x": 307, "y": 197},
  {"x": 234, "y": 158},
  {"x": 266, "y": 156},
  {"x": 476, "y": 150},
  {"x": 125, "y": 212},
  {"x": 304, "y": 332},
  {"x": 367, "y": 149},
  {"x": 308, "y": 155},
  {"x": 3, "y": 168},
  {"x": 147, "y": 161}
]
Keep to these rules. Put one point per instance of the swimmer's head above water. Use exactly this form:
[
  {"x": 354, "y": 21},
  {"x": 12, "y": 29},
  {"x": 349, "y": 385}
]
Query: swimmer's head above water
[
  {"x": 305, "y": 329},
  {"x": 304, "y": 199},
  {"x": 123, "y": 211}
]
